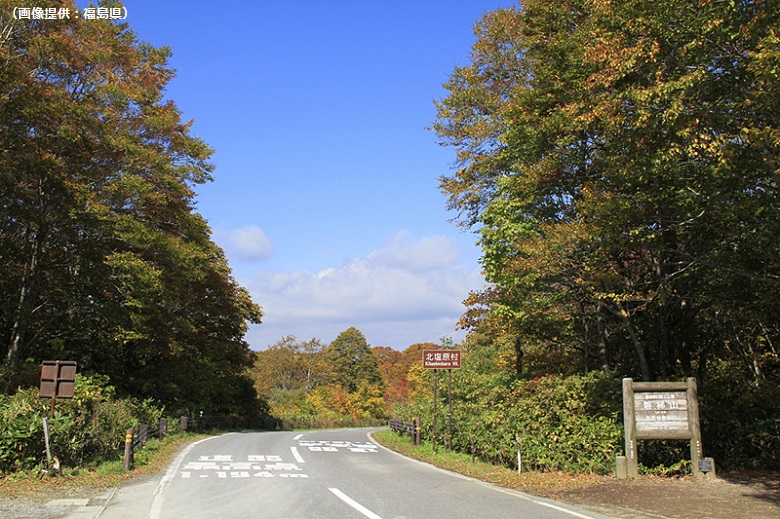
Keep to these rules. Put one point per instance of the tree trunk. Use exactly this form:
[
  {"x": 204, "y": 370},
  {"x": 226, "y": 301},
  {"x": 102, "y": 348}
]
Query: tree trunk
[
  {"x": 22, "y": 312},
  {"x": 5, "y": 34},
  {"x": 602, "y": 338},
  {"x": 640, "y": 349},
  {"x": 518, "y": 356},
  {"x": 36, "y": 235}
]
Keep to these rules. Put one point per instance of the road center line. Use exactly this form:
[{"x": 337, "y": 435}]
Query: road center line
[
  {"x": 296, "y": 455},
  {"x": 354, "y": 504}
]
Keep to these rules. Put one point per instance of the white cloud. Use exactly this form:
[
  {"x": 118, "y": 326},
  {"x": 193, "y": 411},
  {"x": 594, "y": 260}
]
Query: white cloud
[
  {"x": 407, "y": 291},
  {"x": 429, "y": 253},
  {"x": 248, "y": 243}
]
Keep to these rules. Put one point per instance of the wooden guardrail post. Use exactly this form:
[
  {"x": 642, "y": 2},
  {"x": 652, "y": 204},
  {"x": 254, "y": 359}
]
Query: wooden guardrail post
[
  {"x": 411, "y": 428},
  {"x": 163, "y": 428},
  {"x": 129, "y": 450}
]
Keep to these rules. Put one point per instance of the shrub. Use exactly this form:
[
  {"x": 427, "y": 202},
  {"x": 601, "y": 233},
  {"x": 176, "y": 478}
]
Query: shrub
[
  {"x": 562, "y": 424},
  {"x": 574, "y": 424},
  {"x": 90, "y": 426},
  {"x": 21, "y": 430},
  {"x": 740, "y": 419}
]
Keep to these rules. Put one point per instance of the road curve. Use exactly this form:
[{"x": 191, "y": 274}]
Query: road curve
[{"x": 333, "y": 474}]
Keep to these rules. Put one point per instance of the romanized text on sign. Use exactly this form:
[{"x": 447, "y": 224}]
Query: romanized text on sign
[{"x": 441, "y": 359}]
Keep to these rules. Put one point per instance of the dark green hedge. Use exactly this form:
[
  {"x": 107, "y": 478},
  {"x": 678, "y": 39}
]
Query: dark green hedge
[{"x": 575, "y": 424}]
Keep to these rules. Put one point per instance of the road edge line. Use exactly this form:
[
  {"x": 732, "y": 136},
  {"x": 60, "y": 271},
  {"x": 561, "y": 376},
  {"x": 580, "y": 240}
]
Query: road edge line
[
  {"x": 516, "y": 493},
  {"x": 297, "y": 455},
  {"x": 154, "y": 510}
]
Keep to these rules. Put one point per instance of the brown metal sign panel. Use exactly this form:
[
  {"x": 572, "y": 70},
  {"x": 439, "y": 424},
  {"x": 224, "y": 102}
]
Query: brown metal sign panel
[
  {"x": 49, "y": 370},
  {"x": 58, "y": 378},
  {"x": 65, "y": 389},
  {"x": 441, "y": 359},
  {"x": 68, "y": 371},
  {"x": 48, "y": 388}
]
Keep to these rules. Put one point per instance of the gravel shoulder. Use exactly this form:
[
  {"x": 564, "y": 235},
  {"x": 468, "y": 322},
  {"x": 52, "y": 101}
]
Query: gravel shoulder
[{"x": 753, "y": 494}]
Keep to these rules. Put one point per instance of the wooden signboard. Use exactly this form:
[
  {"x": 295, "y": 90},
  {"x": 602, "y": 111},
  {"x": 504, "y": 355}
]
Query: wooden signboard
[
  {"x": 661, "y": 415},
  {"x": 661, "y": 411}
]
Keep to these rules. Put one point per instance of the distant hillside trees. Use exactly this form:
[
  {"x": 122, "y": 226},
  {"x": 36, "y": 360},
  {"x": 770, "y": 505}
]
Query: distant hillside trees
[
  {"x": 103, "y": 258},
  {"x": 344, "y": 382}
]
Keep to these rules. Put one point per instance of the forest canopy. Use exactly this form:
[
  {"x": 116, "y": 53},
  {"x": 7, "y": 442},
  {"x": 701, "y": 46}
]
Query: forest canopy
[
  {"x": 103, "y": 257},
  {"x": 619, "y": 163}
]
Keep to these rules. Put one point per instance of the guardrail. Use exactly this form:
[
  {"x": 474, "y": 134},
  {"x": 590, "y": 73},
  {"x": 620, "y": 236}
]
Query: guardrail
[
  {"x": 136, "y": 440},
  {"x": 411, "y": 428}
]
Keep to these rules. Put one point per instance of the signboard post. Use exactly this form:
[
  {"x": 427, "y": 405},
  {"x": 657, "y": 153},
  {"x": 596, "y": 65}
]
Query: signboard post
[
  {"x": 58, "y": 380},
  {"x": 661, "y": 411},
  {"x": 435, "y": 398},
  {"x": 436, "y": 360}
]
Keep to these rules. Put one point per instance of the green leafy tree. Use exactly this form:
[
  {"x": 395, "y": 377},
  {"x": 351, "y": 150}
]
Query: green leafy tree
[
  {"x": 353, "y": 361},
  {"x": 104, "y": 259},
  {"x": 617, "y": 161},
  {"x": 291, "y": 365}
]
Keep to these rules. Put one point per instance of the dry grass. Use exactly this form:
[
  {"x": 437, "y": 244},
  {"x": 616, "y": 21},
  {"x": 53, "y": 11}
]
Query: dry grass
[{"x": 74, "y": 482}]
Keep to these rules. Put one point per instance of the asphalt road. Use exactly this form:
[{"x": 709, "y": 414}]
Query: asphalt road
[{"x": 318, "y": 474}]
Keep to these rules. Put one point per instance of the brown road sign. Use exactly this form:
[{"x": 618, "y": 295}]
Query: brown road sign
[
  {"x": 58, "y": 378},
  {"x": 441, "y": 359}
]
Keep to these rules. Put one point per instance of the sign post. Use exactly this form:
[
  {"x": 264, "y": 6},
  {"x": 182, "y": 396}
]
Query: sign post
[
  {"x": 436, "y": 360},
  {"x": 448, "y": 445},
  {"x": 661, "y": 411},
  {"x": 58, "y": 380},
  {"x": 435, "y": 398}
]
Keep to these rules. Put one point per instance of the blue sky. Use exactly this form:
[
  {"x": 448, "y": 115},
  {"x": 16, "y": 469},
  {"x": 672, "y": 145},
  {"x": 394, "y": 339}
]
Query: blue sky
[{"x": 326, "y": 194}]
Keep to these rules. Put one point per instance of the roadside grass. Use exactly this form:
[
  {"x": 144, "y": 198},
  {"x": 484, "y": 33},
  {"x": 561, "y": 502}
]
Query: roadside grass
[
  {"x": 545, "y": 484},
  {"x": 103, "y": 475}
]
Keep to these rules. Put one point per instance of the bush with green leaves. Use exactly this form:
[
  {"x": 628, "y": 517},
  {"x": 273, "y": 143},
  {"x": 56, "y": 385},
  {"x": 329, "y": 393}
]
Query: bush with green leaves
[
  {"x": 575, "y": 423},
  {"x": 21, "y": 433},
  {"x": 558, "y": 423},
  {"x": 83, "y": 429},
  {"x": 740, "y": 419}
]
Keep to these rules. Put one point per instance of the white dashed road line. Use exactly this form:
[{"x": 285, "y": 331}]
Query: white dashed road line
[{"x": 354, "y": 504}]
